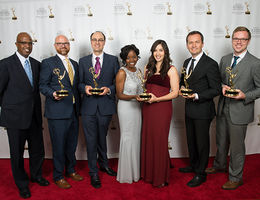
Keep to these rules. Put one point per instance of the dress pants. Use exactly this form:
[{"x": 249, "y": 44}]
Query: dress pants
[
  {"x": 229, "y": 135},
  {"x": 197, "y": 131},
  {"x": 64, "y": 138},
  {"x": 95, "y": 129},
  {"x": 17, "y": 139}
]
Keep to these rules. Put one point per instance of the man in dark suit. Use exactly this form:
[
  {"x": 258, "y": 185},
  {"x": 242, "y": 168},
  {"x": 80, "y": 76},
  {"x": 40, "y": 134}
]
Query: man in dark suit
[
  {"x": 203, "y": 78},
  {"x": 236, "y": 112},
  {"x": 97, "y": 110},
  {"x": 62, "y": 111},
  {"x": 21, "y": 113}
]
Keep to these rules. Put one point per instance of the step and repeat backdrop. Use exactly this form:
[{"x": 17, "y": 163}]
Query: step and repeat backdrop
[{"x": 138, "y": 22}]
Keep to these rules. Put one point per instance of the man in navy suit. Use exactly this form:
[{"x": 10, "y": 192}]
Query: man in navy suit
[
  {"x": 21, "y": 113},
  {"x": 97, "y": 110},
  {"x": 205, "y": 82},
  {"x": 62, "y": 112}
]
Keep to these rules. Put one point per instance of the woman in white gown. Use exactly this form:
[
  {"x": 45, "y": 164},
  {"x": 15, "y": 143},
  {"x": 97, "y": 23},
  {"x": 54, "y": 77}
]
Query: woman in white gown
[{"x": 128, "y": 87}]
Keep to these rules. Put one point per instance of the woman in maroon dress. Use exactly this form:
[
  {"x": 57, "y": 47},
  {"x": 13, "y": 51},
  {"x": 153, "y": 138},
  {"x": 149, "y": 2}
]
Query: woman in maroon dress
[{"x": 163, "y": 85}]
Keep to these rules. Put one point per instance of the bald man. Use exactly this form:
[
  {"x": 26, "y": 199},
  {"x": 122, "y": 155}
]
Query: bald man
[
  {"x": 21, "y": 112},
  {"x": 62, "y": 112}
]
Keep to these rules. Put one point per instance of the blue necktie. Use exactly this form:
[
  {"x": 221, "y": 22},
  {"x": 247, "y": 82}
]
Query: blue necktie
[
  {"x": 28, "y": 71},
  {"x": 234, "y": 62}
]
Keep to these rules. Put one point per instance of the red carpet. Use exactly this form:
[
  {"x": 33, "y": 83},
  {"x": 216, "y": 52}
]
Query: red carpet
[{"x": 113, "y": 190}]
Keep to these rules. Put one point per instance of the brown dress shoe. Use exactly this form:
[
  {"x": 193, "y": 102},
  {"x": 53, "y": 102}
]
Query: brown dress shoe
[
  {"x": 62, "y": 183},
  {"x": 231, "y": 185},
  {"x": 212, "y": 170},
  {"x": 75, "y": 177}
]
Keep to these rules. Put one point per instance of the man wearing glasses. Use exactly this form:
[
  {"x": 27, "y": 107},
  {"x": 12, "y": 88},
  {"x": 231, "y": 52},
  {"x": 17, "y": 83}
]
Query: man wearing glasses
[
  {"x": 62, "y": 110},
  {"x": 21, "y": 113},
  {"x": 235, "y": 112},
  {"x": 97, "y": 109}
]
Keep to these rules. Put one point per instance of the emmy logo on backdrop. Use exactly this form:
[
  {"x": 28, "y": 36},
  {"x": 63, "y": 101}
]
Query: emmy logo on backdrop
[
  {"x": 206, "y": 51},
  {"x": 188, "y": 29},
  {"x": 89, "y": 11},
  {"x": 247, "y": 12},
  {"x": 96, "y": 90},
  {"x": 186, "y": 91},
  {"x": 149, "y": 36},
  {"x": 209, "y": 11},
  {"x": 61, "y": 92},
  {"x": 14, "y": 17},
  {"x": 169, "y": 145},
  {"x": 145, "y": 96},
  {"x": 71, "y": 36},
  {"x": 33, "y": 37},
  {"x": 227, "y": 32},
  {"x": 231, "y": 92},
  {"x": 109, "y": 34},
  {"x": 169, "y": 8},
  {"x": 51, "y": 14},
  {"x": 128, "y": 8}
]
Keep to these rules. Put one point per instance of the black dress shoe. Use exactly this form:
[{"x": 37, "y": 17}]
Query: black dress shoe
[
  {"x": 108, "y": 170},
  {"x": 25, "y": 193},
  {"x": 41, "y": 181},
  {"x": 196, "y": 181},
  {"x": 186, "y": 169},
  {"x": 95, "y": 181}
]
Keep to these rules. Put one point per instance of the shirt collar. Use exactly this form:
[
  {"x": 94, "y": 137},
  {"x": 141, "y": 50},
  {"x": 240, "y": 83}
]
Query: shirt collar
[
  {"x": 22, "y": 58},
  {"x": 241, "y": 56}
]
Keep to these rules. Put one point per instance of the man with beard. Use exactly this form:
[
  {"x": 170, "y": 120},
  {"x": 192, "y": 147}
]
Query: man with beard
[{"x": 62, "y": 111}]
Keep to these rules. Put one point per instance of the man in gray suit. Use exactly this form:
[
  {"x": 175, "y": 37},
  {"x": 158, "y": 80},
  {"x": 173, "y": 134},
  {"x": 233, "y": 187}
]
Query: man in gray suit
[{"x": 236, "y": 112}]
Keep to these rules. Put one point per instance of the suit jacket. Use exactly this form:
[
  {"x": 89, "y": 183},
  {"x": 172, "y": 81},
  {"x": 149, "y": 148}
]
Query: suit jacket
[
  {"x": 248, "y": 81},
  {"x": 59, "y": 109},
  {"x": 18, "y": 99},
  {"x": 205, "y": 81},
  {"x": 106, "y": 104}
]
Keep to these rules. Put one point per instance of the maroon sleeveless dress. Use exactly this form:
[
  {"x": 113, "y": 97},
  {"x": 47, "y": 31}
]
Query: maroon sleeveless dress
[{"x": 155, "y": 162}]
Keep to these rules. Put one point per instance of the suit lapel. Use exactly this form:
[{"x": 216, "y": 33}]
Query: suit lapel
[
  {"x": 240, "y": 67},
  {"x": 21, "y": 71},
  {"x": 198, "y": 68}
]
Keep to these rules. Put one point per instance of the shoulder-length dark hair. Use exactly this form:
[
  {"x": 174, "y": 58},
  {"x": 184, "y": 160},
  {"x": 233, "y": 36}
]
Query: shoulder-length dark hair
[{"x": 151, "y": 66}]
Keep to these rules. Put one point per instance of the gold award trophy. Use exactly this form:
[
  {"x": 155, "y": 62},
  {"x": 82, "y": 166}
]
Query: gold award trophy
[
  {"x": 89, "y": 11},
  {"x": 227, "y": 32},
  {"x": 61, "y": 92},
  {"x": 144, "y": 96},
  {"x": 14, "y": 17},
  {"x": 96, "y": 90},
  {"x": 186, "y": 91},
  {"x": 128, "y": 7},
  {"x": 231, "y": 92},
  {"x": 247, "y": 12},
  {"x": 33, "y": 37},
  {"x": 169, "y": 8},
  {"x": 71, "y": 36},
  {"x": 209, "y": 11},
  {"x": 51, "y": 14}
]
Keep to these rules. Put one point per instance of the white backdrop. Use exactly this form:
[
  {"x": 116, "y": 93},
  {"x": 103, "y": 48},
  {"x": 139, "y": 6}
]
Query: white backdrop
[{"x": 140, "y": 22}]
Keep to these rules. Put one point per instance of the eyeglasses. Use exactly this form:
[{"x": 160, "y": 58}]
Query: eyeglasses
[
  {"x": 62, "y": 43},
  {"x": 28, "y": 43},
  {"x": 240, "y": 39},
  {"x": 97, "y": 40}
]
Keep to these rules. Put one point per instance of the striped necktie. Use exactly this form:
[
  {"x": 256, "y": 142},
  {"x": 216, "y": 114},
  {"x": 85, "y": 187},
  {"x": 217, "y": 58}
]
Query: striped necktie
[{"x": 70, "y": 71}]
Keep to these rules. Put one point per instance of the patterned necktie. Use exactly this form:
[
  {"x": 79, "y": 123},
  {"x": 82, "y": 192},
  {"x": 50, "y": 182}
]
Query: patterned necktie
[
  {"x": 234, "y": 62},
  {"x": 191, "y": 66},
  {"x": 70, "y": 71},
  {"x": 97, "y": 67},
  {"x": 28, "y": 70}
]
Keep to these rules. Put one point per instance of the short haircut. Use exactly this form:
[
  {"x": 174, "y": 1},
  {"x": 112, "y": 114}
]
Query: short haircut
[
  {"x": 98, "y": 32},
  {"x": 242, "y": 28},
  {"x": 194, "y": 33},
  {"x": 125, "y": 51}
]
